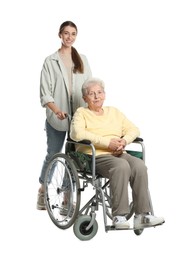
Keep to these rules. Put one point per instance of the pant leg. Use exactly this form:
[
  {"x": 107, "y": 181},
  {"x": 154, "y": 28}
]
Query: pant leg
[
  {"x": 55, "y": 142},
  {"x": 117, "y": 170},
  {"x": 139, "y": 184}
]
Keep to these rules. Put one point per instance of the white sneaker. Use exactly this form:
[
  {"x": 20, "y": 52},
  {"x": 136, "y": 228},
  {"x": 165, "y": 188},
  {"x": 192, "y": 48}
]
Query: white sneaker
[
  {"x": 141, "y": 221},
  {"x": 120, "y": 222}
]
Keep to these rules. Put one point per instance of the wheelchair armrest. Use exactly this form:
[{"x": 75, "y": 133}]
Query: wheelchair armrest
[
  {"x": 80, "y": 142},
  {"x": 138, "y": 139},
  {"x": 85, "y": 141}
]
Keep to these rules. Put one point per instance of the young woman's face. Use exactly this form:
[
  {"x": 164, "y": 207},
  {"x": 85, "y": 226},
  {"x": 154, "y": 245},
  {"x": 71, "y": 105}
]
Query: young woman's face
[
  {"x": 68, "y": 36},
  {"x": 95, "y": 97}
]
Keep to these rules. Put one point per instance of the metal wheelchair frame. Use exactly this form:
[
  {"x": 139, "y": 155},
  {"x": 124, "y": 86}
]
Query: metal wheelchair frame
[{"x": 66, "y": 179}]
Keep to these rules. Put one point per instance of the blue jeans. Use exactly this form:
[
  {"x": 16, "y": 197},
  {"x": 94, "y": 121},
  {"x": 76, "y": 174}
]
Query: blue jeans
[{"x": 55, "y": 142}]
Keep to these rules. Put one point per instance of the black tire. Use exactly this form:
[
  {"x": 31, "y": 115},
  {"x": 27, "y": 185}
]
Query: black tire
[
  {"x": 62, "y": 180},
  {"x": 138, "y": 232}
]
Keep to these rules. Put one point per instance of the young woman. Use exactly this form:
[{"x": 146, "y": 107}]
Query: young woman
[{"x": 62, "y": 76}]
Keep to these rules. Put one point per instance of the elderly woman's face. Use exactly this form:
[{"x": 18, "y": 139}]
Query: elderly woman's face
[{"x": 95, "y": 97}]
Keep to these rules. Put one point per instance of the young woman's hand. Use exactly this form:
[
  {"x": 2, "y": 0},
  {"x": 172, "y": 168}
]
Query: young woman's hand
[{"x": 61, "y": 115}]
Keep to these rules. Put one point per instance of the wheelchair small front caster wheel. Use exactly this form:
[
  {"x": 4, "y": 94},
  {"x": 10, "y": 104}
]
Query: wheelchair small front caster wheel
[
  {"x": 138, "y": 231},
  {"x": 80, "y": 226}
]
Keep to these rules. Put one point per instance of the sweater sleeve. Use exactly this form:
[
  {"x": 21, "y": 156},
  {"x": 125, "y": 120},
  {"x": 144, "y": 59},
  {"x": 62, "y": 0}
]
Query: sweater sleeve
[
  {"x": 78, "y": 131},
  {"x": 45, "y": 86},
  {"x": 129, "y": 130}
]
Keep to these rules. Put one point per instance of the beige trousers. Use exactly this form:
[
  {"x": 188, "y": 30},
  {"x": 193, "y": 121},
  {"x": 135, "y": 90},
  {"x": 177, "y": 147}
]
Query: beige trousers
[{"x": 121, "y": 171}]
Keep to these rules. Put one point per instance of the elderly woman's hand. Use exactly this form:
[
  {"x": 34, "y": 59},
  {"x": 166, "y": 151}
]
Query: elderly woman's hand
[
  {"x": 123, "y": 142},
  {"x": 117, "y": 146},
  {"x": 114, "y": 144}
]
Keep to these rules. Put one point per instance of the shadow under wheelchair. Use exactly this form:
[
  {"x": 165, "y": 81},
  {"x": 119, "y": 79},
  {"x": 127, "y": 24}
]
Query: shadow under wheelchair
[{"x": 68, "y": 176}]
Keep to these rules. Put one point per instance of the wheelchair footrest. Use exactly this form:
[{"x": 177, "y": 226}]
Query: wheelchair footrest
[{"x": 111, "y": 228}]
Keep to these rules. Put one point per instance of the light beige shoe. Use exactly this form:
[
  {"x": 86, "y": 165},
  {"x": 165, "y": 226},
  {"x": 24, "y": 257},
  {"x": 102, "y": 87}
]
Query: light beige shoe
[
  {"x": 40, "y": 201},
  {"x": 64, "y": 211}
]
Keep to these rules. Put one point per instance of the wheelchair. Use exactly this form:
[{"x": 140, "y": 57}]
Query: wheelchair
[{"x": 68, "y": 175}]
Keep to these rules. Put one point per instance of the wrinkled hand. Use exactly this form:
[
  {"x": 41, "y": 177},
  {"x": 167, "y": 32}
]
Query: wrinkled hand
[
  {"x": 114, "y": 144},
  {"x": 117, "y": 146},
  {"x": 117, "y": 153}
]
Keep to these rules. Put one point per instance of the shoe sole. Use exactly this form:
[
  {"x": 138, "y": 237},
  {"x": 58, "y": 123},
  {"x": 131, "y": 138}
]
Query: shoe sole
[
  {"x": 121, "y": 227},
  {"x": 142, "y": 226},
  {"x": 64, "y": 213},
  {"x": 41, "y": 207}
]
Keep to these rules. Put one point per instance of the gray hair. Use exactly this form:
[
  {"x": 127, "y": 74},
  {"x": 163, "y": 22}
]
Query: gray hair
[{"x": 91, "y": 82}]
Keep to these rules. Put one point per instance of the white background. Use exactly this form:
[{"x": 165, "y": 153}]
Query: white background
[{"x": 145, "y": 52}]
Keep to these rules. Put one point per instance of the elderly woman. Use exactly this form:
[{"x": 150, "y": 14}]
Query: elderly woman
[{"x": 110, "y": 131}]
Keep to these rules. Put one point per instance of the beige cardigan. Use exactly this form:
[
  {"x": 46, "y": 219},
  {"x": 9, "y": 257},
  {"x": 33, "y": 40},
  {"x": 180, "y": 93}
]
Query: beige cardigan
[{"x": 53, "y": 88}]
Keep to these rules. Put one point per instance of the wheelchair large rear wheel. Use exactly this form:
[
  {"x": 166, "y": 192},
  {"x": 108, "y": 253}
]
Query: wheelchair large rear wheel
[{"x": 62, "y": 191}]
